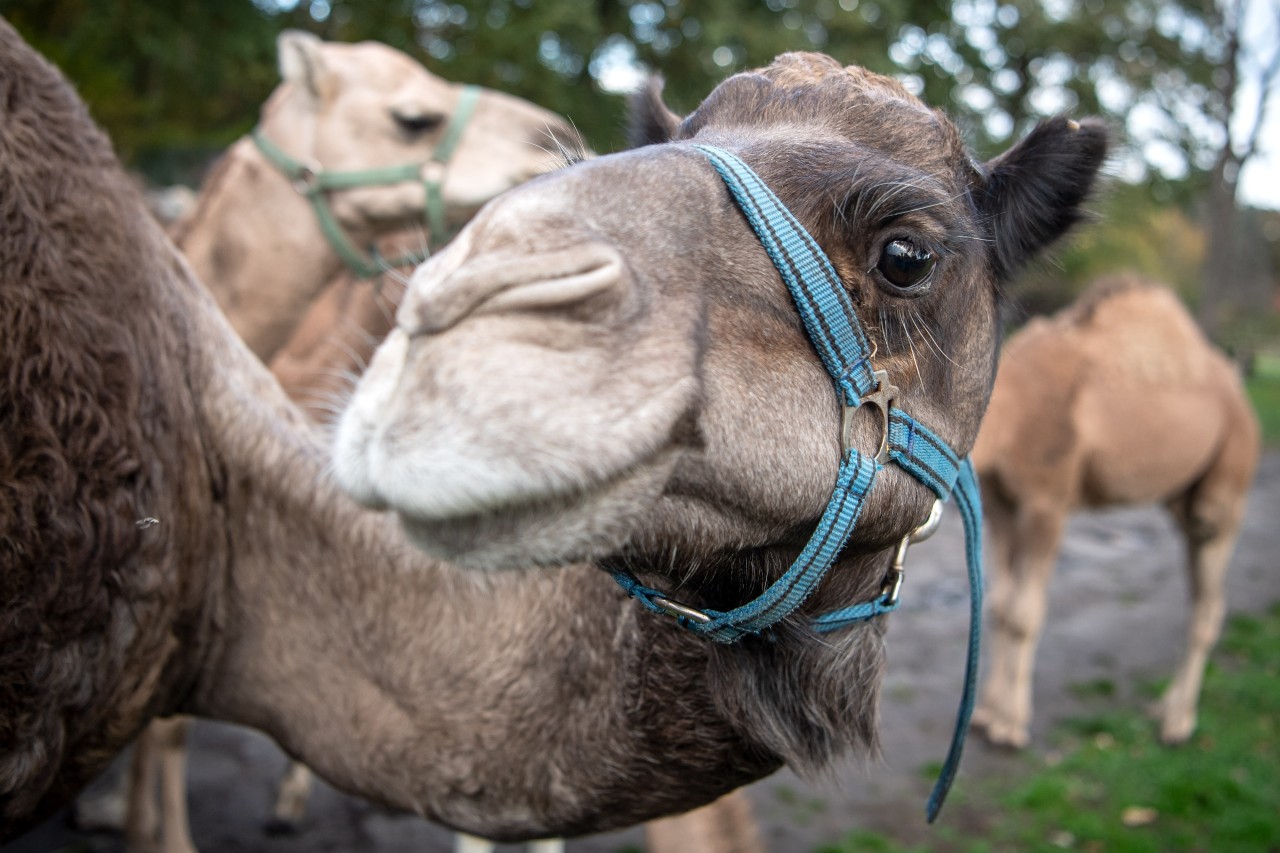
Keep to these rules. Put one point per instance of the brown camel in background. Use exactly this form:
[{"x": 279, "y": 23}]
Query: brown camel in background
[{"x": 1119, "y": 399}]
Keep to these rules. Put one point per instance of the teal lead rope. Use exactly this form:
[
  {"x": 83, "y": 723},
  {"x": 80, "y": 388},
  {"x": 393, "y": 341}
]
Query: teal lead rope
[{"x": 833, "y": 328}]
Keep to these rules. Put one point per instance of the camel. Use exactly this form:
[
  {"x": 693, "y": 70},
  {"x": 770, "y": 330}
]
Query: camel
[
  {"x": 257, "y": 593},
  {"x": 1119, "y": 399},
  {"x": 349, "y": 114},
  {"x": 172, "y": 544},
  {"x": 606, "y": 364},
  {"x": 245, "y": 231},
  {"x": 505, "y": 141}
]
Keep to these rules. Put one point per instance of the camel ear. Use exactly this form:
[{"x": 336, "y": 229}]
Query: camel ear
[
  {"x": 302, "y": 63},
  {"x": 1035, "y": 192},
  {"x": 649, "y": 120}
]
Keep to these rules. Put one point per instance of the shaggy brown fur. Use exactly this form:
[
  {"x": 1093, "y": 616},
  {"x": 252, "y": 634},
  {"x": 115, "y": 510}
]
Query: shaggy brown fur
[{"x": 99, "y": 433}]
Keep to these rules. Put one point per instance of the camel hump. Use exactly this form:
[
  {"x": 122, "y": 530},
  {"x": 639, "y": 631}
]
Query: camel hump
[{"x": 1137, "y": 331}]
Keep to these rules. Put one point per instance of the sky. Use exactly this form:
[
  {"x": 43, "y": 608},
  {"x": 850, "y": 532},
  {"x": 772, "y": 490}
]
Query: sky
[{"x": 1260, "y": 180}]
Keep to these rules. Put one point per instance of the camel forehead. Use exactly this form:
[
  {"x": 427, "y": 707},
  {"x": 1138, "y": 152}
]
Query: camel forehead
[
  {"x": 376, "y": 66},
  {"x": 795, "y": 70},
  {"x": 811, "y": 95}
]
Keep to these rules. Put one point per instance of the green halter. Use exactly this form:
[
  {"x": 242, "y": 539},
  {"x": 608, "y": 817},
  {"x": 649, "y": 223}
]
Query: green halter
[{"x": 315, "y": 183}]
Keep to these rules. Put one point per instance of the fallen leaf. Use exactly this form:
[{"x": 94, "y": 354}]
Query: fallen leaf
[{"x": 1138, "y": 816}]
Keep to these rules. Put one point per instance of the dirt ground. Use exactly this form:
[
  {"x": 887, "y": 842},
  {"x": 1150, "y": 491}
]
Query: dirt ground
[{"x": 1117, "y": 610}]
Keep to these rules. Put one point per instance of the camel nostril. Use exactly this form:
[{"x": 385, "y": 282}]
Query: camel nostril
[
  {"x": 577, "y": 278},
  {"x": 557, "y": 291}
]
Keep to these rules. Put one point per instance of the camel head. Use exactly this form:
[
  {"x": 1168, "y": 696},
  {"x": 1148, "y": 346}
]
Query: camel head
[
  {"x": 606, "y": 364},
  {"x": 359, "y": 108}
]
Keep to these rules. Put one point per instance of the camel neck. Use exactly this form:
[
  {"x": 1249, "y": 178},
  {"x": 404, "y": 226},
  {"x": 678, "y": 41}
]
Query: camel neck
[
  {"x": 508, "y": 704},
  {"x": 263, "y": 285}
]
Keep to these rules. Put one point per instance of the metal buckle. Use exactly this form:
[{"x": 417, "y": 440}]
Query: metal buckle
[
  {"x": 305, "y": 177},
  {"x": 676, "y": 609},
  {"x": 893, "y": 580},
  {"x": 433, "y": 172},
  {"x": 883, "y": 399}
]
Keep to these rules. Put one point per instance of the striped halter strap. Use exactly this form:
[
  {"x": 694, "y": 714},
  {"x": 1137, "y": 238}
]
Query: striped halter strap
[{"x": 834, "y": 330}]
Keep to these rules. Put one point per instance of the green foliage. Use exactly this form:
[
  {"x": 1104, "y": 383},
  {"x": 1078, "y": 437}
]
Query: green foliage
[
  {"x": 1097, "y": 688},
  {"x": 1118, "y": 789},
  {"x": 158, "y": 74},
  {"x": 1264, "y": 392},
  {"x": 868, "y": 842},
  {"x": 174, "y": 72}
]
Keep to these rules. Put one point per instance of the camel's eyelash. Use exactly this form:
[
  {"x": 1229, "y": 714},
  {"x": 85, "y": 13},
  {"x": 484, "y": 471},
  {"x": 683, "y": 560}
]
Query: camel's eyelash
[{"x": 566, "y": 153}]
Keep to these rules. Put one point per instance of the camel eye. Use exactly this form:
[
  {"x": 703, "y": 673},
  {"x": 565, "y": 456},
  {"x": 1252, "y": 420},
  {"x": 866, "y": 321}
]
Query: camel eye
[
  {"x": 416, "y": 123},
  {"x": 904, "y": 264}
]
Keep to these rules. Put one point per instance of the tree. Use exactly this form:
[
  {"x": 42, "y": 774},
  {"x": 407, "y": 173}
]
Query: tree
[
  {"x": 158, "y": 74},
  {"x": 1227, "y": 290}
]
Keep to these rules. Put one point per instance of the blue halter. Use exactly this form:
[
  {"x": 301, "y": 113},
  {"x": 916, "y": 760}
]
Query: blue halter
[{"x": 833, "y": 328}]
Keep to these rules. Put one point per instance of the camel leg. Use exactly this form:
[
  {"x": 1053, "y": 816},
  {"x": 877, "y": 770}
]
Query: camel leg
[
  {"x": 547, "y": 845},
  {"x": 463, "y": 843},
  {"x": 1210, "y": 518},
  {"x": 725, "y": 826},
  {"x": 142, "y": 818},
  {"x": 171, "y": 742},
  {"x": 998, "y": 516},
  {"x": 291, "y": 800},
  {"x": 1019, "y": 609},
  {"x": 102, "y": 808}
]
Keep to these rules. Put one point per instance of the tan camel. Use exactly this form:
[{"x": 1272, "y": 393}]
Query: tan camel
[
  {"x": 173, "y": 544},
  {"x": 1119, "y": 399},
  {"x": 335, "y": 340},
  {"x": 349, "y": 108}
]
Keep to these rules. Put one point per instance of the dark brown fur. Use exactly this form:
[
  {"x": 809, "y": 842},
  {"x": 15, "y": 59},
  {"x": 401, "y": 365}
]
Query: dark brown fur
[{"x": 91, "y": 431}]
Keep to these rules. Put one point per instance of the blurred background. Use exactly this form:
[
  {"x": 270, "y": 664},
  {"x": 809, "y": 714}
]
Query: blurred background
[{"x": 1192, "y": 89}]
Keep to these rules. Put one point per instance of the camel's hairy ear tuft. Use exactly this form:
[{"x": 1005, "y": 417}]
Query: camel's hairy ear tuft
[
  {"x": 1035, "y": 192},
  {"x": 299, "y": 55},
  {"x": 649, "y": 120}
]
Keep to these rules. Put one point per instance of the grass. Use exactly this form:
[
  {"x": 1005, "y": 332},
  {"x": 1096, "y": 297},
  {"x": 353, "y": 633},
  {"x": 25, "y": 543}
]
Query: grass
[
  {"x": 1264, "y": 391},
  {"x": 1113, "y": 787}
]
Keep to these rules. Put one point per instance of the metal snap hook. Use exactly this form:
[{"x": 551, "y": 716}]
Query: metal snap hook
[
  {"x": 893, "y": 580},
  {"x": 305, "y": 177},
  {"x": 676, "y": 609}
]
